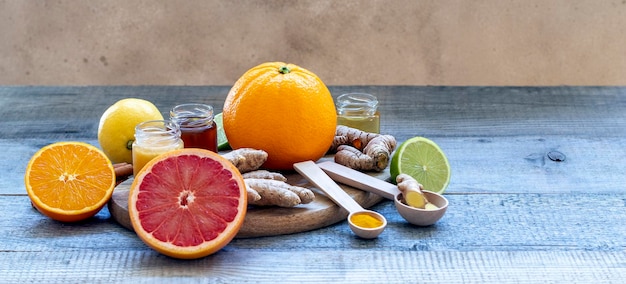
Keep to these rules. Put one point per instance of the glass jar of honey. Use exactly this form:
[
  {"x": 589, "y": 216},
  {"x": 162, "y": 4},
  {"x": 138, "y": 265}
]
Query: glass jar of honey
[
  {"x": 358, "y": 110},
  {"x": 153, "y": 138},
  {"x": 197, "y": 128}
]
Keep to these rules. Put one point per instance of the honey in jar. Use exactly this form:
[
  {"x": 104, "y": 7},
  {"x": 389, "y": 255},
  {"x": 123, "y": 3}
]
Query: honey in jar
[
  {"x": 197, "y": 128},
  {"x": 153, "y": 138},
  {"x": 358, "y": 110}
]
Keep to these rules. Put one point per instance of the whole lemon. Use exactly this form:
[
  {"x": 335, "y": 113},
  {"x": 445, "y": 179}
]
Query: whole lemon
[
  {"x": 283, "y": 109},
  {"x": 116, "y": 130}
]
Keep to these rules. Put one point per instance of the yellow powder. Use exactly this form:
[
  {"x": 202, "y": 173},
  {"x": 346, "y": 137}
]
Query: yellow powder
[{"x": 365, "y": 220}]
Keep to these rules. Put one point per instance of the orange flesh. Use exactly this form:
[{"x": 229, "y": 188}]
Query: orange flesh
[{"x": 69, "y": 181}]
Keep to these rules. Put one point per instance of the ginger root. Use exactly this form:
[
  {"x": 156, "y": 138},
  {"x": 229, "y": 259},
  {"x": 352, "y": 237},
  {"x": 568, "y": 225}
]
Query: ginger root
[
  {"x": 362, "y": 150},
  {"x": 279, "y": 193},
  {"x": 263, "y": 174},
  {"x": 253, "y": 195},
  {"x": 246, "y": 159},
  {"x": 412, "y": 192},
  {"x": 265, "y": 188}
]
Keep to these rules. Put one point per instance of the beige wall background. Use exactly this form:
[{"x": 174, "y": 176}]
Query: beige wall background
[{"x": 347, "y": 42}]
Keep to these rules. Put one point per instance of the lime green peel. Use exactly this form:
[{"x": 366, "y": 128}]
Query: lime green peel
[{"x": 222, "y": 141}]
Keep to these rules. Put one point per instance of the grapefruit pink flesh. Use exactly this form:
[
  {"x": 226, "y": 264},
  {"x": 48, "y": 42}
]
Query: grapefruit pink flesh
[{"x": 187, "y": 200}]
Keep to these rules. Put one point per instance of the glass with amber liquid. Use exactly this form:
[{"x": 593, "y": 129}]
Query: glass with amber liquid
[
  {"x": 358, "y": 110},
  {"x": 197, "y": 128},
  {"x": 153, "y": 138}
]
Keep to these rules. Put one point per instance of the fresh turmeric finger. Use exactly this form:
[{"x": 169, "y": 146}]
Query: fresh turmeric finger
[
  {"x": 345, "y": 135},
  {"x": 362, "y": 150},
  {"x": 380, "y": 149},
  {"x": 353, "y": 158}
]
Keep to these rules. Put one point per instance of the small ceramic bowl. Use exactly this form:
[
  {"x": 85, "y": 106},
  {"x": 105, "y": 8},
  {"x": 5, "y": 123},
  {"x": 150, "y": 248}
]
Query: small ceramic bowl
[
  {"x": 367, "y": 233},
  {"x": 422, "y": 217}
]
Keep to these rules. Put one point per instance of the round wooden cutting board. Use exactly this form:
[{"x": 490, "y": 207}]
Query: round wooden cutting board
[{"x": 271, "y": 221}]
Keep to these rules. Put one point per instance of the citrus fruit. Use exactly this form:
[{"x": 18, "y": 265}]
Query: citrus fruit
[
  {"x": 422, "y": 159},
  {"x": 283, "y": 109},
  {"x": 69, "y": 181},
  {"x": 116, "y": 130},
  {"x": 222, "y": 141},
  {"x": 187, "y": 203}
]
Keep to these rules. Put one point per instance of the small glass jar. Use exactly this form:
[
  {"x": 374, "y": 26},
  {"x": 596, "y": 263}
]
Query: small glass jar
[
  {"x": 358, "y": 110},
  {"x": 197, "y": 128},
  {"x": 153, "y": 138}
]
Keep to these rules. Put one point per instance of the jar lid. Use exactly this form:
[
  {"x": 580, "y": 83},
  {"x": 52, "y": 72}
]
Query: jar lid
[
  {"x": 192, "y": 115},
  {"x": 357, "y": 103}
]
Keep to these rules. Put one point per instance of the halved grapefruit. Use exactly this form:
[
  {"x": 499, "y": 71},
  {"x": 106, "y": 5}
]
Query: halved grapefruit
[{"x": 187, "y": 203}]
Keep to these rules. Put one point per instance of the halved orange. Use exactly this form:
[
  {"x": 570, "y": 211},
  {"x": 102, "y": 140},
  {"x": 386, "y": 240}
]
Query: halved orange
[
  {"x": 187, "y": 203},
  {"x": 69, "y": 181}
]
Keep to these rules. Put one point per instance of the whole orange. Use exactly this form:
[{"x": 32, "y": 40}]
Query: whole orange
[{"x": 283, "y": 109}]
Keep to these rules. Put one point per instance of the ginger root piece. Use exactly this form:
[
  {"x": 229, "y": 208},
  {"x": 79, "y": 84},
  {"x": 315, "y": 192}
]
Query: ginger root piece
[
  {"x": 253, "y": 195},
  {"x": 246, "y": 159},
  {"x": 265, "y": 188},
  {"x": 278, "y": 193},
  {"x": 361, "y": 150},
  {"x": 412, "y": 192},
  {"x": 263, "y": 174}
]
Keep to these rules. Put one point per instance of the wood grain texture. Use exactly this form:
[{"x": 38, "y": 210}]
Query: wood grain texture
[
  {"x": 358, "y": 266},
  {"x": 504, "y": 238},
  {"x": 474, "y": 222},
  {"x": 514, "y": 214}
]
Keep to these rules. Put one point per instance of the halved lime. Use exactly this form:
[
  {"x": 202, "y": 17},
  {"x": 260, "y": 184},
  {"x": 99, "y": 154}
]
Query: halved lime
[
  {"x": 222, "y": 141},
  {"x": 422, "y": 159}
]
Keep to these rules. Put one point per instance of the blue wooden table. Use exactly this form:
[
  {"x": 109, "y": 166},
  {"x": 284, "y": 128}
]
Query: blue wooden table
[{"x": 538, "y": 194}]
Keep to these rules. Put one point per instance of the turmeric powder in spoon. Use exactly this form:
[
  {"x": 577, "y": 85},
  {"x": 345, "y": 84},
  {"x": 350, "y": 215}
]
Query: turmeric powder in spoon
[{"x": 365, "y": 220}]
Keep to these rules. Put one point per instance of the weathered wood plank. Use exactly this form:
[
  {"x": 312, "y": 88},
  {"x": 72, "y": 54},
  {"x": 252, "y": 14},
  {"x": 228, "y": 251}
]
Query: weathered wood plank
[
  {"x": 479, "y": 165},
  {"x": 357, "y": 266},
  {"x": 406, "y": 111},
  {"x": 514, "y": 214},
  {"x": 491, "y": 135},
  {"x": 474, "y": 222}
]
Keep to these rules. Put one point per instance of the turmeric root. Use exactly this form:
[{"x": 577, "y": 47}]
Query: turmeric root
[
  {"x": 412, "y": 192},
  {"x": 380, "y": 149},
  {"x": 361, "y": 150},
  {"x": 246, "y": 159},
  {"x": 278, "y": 193},
  {"x": 356, "y": 138}
]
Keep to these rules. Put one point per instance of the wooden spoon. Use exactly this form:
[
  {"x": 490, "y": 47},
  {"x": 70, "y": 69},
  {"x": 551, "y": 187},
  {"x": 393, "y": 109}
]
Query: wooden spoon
[
  {"x": 316, "y": 176},
  {"x": 415, "y": 216}
]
